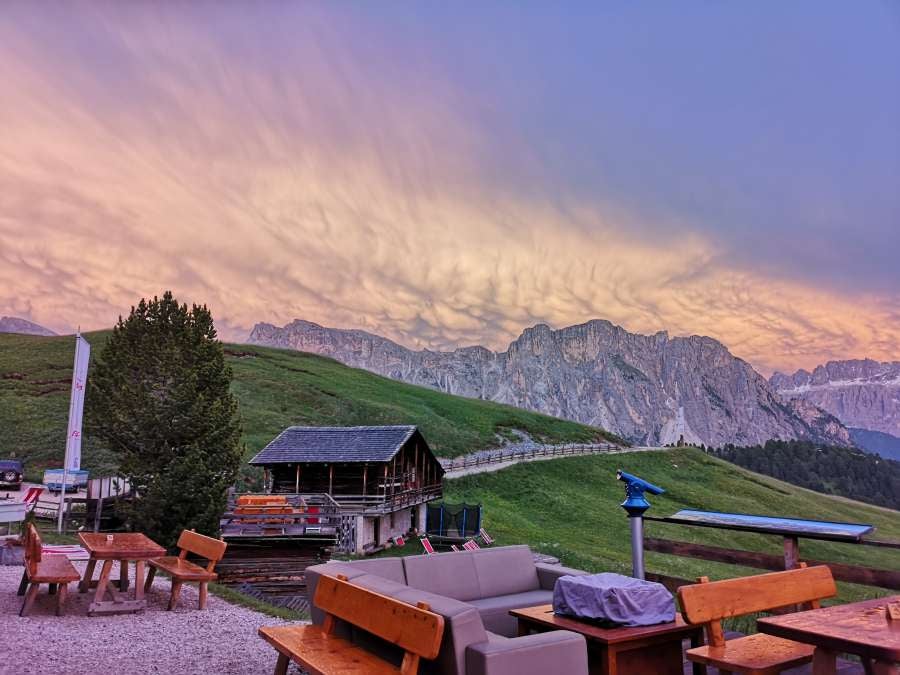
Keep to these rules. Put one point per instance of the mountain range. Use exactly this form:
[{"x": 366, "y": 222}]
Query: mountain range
[
  {"x": 650, "y": 389},
  {"x": 863, "y": 394},
  {"x": 12, "y": 324}
]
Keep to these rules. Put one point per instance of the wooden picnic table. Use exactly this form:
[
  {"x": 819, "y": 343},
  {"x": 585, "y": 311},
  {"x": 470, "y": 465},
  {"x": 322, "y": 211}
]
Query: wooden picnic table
[
  {"x": 125, "y": 547},
  {"x": 861, "y": 628}
]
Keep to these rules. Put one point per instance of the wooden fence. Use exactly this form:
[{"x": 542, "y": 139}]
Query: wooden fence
[
  {"x": 499, "y": 456},
  {"x": 857, "y": 574}
]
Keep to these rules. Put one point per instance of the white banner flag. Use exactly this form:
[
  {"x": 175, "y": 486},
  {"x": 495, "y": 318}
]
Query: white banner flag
[{"x": 76, "y": 403}]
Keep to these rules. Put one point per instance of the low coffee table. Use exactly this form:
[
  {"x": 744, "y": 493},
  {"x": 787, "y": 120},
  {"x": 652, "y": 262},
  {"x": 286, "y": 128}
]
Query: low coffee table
[{"x": 643, "y": 650}]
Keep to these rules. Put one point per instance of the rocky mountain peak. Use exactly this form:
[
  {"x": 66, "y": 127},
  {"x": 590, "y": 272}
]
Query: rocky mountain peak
[
  {"x": 648, "y": 388},
  {"x": 861, "y": 393}
]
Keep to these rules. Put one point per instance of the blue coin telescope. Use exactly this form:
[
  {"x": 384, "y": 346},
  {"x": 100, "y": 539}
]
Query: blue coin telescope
[{"x": 635, "y": 505}]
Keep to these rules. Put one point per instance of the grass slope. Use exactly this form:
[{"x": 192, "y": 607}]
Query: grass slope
[
  {"x": 570, "y": 508},
  {"x": 276, "y": 388}
]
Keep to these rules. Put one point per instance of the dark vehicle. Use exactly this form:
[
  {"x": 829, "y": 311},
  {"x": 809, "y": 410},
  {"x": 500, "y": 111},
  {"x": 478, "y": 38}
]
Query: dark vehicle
[{"x": 11, "y": 473}]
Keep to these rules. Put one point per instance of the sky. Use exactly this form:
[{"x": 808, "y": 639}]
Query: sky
[{"x": 446, "y": 174}]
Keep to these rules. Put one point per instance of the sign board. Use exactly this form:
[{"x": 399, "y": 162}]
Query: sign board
[
  {"x": 110, "y": 486},
  {"x": 819, "y": 529}
]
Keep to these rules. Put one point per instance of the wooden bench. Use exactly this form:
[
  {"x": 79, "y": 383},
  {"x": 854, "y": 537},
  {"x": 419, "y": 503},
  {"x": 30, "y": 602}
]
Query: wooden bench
[
  {"x": 54, "y": 570},
  {"x": 182, "y": 570},
  {"x": 710, "y": 602},
  {"x": 319, "y": 651}
]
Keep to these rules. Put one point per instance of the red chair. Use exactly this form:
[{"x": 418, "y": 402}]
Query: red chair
[
  {"x": 429, "y": 549},
  {"x": 31, "y": 497}
]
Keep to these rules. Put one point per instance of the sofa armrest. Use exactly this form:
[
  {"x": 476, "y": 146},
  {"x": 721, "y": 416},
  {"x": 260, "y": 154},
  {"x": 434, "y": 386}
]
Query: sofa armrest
[
  {"x": 548, "y": 574},
  {"x": 558, "y": 651}
]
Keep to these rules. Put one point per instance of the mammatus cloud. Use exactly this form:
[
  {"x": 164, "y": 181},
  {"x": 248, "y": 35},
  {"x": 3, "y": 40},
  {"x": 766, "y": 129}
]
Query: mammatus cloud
[{"x": 313, "y": 185}]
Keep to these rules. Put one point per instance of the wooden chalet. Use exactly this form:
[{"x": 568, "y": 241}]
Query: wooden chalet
[{"x": 382, "y": 475}]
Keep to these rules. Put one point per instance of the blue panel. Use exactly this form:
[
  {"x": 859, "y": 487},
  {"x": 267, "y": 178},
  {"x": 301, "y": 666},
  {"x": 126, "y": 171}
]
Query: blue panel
[{"x": 774, "y": 525}]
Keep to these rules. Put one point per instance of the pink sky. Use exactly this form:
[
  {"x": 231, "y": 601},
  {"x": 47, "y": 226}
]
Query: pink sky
[{"x": 316, "y": 172}]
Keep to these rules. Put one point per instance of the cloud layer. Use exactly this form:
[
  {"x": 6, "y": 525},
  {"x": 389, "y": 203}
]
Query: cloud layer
[{"x": 300, "y": 164}]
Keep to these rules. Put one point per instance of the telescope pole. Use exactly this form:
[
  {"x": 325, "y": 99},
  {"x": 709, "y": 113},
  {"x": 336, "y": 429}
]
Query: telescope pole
[{"x": 637, "y": 546}]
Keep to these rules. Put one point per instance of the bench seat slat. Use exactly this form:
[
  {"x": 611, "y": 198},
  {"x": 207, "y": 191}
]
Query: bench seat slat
[
  {"x": 758, "y": 653},
  {"x": 182, "y": 569},
  {"x": 54, "y": 569},
  {"x": 320, "y": 653}
]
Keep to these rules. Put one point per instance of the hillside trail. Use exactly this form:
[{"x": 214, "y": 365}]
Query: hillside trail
[{"x": 487, "y": 467}]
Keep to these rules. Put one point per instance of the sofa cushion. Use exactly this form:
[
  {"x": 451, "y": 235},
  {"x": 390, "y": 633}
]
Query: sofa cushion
[
  {"x": 450, "y": 574},
  {"x": 462, "y": 627},
  {"x": 389, "y": 568},
  {"x": 373, "y": 582},
  {"x": 495, "y": 611},
  {"x": 505, "y": 570}
]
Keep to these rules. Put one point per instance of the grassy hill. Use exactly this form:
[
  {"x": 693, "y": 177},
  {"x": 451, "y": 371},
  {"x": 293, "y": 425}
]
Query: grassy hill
[
  {"x": 569, "y": 508},
  {"x": 276, "y": 388}
]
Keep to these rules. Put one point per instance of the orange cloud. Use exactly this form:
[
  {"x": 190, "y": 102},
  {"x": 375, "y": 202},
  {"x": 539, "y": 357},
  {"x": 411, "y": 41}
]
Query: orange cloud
[{"x": 272, "y": 196}]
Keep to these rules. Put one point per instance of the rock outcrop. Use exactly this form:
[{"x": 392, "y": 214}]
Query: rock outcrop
[{"x": 650, "y": 389}]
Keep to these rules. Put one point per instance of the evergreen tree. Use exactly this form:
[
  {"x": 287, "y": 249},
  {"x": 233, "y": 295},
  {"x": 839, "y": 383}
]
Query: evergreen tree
[{"x": 159, "y": 397}]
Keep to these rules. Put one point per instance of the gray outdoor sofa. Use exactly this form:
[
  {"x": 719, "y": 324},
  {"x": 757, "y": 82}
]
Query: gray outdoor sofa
[{"x": 473, "y": 591}]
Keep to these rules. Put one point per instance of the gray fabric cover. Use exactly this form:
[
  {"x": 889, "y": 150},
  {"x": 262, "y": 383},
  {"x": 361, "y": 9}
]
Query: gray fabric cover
[
  {"x": 504, "y": 571},
  {"x": 495, "y": 611},
  {"x": 558, "y": 652},
  {"x": 622, "y": 600},
  {"x": 451, "y": 574}
]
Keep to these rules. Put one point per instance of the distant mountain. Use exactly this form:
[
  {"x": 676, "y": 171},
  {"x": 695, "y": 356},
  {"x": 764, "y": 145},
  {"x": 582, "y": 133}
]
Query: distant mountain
[
  {"x": 650, "y": 389},
  {"x": 11, "y": 324},
  {"x": 875, "y": 441},
  {"x": 862, "y": 394}
]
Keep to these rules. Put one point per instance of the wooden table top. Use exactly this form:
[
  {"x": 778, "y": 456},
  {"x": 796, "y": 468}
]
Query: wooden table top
[
  {"x": 860, "y": 628},
  {"x": 124, "y": 546},
  {"x": 543, "y": 615}
]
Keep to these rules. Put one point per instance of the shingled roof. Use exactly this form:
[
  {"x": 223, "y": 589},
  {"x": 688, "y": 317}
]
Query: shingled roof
[{"x": 295, "y": 445}]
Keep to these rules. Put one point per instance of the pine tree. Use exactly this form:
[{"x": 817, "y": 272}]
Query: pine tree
[{"x": 159, "y": 397}]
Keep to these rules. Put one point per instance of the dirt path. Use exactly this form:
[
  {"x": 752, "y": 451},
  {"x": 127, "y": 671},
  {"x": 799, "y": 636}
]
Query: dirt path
[{"x": 498, "y": 466}]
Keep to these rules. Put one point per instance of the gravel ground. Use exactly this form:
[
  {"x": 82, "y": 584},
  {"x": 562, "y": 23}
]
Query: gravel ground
[{"x": 221, "y": 639}]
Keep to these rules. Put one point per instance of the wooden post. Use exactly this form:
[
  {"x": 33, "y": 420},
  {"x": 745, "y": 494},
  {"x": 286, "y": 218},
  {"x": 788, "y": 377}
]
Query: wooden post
[
  {"x": 385, "y": 486},
  {"x": 266, "y": 488},
  {"x": 791, "y": 553},
  {"x": 98, "y": 512},
  {"x": 365, "y": 476},
  {"x": 330, "y": 477},
  {"x": 297, "y": 481}
]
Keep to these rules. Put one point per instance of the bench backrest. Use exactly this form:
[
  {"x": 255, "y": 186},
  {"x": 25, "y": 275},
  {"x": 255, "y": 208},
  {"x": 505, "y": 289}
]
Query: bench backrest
[
  {"x": 708, "y": 602},
  {"x": 716, "y": 600},
  {"x": 203, "y": 546},
  {"x": 414, "y": 629},
  {"x": 262, "y": 500},
  {"x": 32, "y": 545}
]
